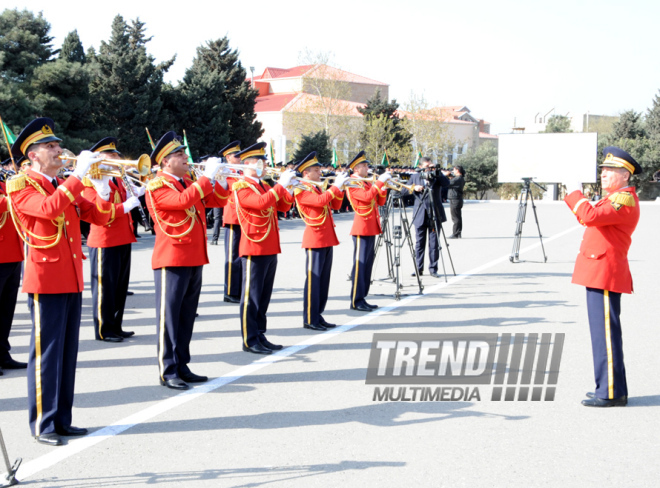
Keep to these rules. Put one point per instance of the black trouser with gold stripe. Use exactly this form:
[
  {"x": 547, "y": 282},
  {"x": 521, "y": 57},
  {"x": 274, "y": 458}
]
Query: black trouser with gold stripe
[
  {"x": 604, "y": 308},
  {"x": 52, "y": 362},
  {"x": 111, "y": 272},
  {"x": 177, "y": 296},
  {"x": 363, "y": 263},
  {"x": 258, "y": 279},
  {"x": 233, "y": 269},
  {"x": 317, "y": 283},
  {"x": 10, "y": 280}
]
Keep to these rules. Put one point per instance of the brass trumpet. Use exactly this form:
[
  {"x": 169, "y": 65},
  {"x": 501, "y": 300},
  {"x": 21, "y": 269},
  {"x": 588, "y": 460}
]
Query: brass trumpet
[
  {"x": 354, "y": 182},
  {"x": 112, "y": 167},
  {"x": 398, "y": 185},
  {"x": 323, "y": 185}
]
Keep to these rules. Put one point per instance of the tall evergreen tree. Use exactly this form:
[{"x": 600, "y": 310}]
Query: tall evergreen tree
[
  {"x": 126, "y": 87},
  {"x": 24, "y": 44},
  {"x": 395, "y": 135},
  {"x": 653, "y": 119},
  {"x": 629, "y": 126},
  {"x": 72, "y": 49},
  {"x": 319, "y": 142},
  {"x": 558, "y": 123}
]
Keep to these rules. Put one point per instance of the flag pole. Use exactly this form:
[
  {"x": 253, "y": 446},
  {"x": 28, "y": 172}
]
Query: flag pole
[{"x": 4, "y": 133}]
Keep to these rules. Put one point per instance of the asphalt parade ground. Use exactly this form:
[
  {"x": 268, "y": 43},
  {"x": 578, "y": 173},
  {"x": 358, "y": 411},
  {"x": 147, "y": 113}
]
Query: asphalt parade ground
[{"x": 304, "y": 417}]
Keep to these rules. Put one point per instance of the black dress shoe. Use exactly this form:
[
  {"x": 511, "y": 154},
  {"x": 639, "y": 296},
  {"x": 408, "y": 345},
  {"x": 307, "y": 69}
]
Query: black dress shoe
[
  {"x": 175, "y": 384},
  {"x": 269, "y": 345},
  {"x": 129, "y": 293},
  {"x": 314, "y": 327},
  {"x": 231, "y": 299},
  {"x": 112, "y": 338},
  {"x": 191, "y": 377},
  {"x": 602, "y": 402},
  {"x": 137, "y": 236},
  {"x": 13, "y": 364},
  {"x": 372, "y": 307},
  {"x": 436, "y": 275},
  {"x": 126, "y": 333},
  {"x": 71, "y": 430},
  {"x": 257, "y": 349},
  {"x": 362, "y": 308},
  {"x": 214, "y": 242},
  {"x": 414, "y": 274},
  {"x": 51, "y": 439},
  {"x": 326, "y": 324}
]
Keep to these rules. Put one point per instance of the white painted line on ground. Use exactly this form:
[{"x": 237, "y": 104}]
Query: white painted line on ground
[{"x": 76, "y": 446}]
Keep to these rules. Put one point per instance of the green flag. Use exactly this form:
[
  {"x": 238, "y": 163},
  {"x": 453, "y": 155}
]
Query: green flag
[
  {"x": 9, "y": 135},
  {"x": 187, "y": 150},
  {"x": 272, "y": 154},
  {"x": 385, "y": 161},
  {"x": 335, "y": 159},
  {"x": 419, "y": 156},
  {"x": 151, "y": 141}
]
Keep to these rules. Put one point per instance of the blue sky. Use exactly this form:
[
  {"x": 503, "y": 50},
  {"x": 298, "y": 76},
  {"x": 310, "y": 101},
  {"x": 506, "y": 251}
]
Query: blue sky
[{"x": 504, "y": 60}]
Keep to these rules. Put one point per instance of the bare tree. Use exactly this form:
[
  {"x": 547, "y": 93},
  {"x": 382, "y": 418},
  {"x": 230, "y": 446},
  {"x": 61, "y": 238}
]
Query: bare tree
[{"x": 431, "y": 134}]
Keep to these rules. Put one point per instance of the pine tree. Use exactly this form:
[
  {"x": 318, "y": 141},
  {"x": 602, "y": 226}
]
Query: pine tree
[
  {"x": 126, "y": 87},
  {"x": 319, "y": 142},
  {"x": 653, "y": 119},
  {"x": 389, "y": 131},
  {"x": 215, "y": 92},
  {"x": 629, "y": 126},
  {"x": 558, "y": 123},
  {"x": 72, "y": 49}
]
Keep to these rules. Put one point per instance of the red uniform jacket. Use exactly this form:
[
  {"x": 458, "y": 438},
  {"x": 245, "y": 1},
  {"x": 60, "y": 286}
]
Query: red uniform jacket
[
  {"x": 365, "y": 202},
  {"x": 11, "y": 246},
  {"x": 603, "y": 258},
  {"x": 119, "y": 230},
  {"x": 179, "y": 219},
  {"x": 257, "y": 208},
  {"x": 56, "y": 214},
  {"x": 229, "y": 213},
  {"x": 316, "y": 210}
]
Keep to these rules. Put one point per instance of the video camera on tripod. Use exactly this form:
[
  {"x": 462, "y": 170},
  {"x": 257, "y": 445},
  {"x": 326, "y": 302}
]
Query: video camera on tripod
[{"x": 431, "y": 173}]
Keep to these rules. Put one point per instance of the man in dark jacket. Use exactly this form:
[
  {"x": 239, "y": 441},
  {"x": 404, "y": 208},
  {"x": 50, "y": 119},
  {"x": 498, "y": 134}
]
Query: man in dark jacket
[
  {"x": 422, "y": 214},
  {"x": 455, "y": 195}
]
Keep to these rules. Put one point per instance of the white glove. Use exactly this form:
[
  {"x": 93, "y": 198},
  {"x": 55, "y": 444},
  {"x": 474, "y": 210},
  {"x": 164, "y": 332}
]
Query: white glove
[
  {"x": 224, "y": 171},
  {"x": 102, "y": 186},
  {"x": 571, "y": 186},
  {"x": 340, "y": 179},
  {"x": 212, "y": 167},
  {"x": 84, "y": 161},
  {"x": 130, "y": 204},
  {"x": 287, "y": 178},
  {"x": 385, "y": 176},
  {"x": 222, "y": 182},
  {"x": 138, "y": 190}
]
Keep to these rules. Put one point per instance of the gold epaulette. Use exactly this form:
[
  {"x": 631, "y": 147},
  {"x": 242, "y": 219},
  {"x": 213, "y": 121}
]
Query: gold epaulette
[
  {"x": 297, "y": 191},
  {"x": 87, "y": 182},
  {"x": 266, "y": 185},
  {"x": 239, "y": 185},
  {"x": 16, "y": 183},
  {"x": 622, "y": 199},
  {"x": 155, "y": 184}
]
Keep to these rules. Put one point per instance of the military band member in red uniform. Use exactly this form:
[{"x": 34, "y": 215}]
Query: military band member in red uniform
[
  {"x": 315, "y": 208},
  {"x": 47, "y": 212},
  {"x": 257, "y": 205},
  {"x": 177, "y": 207},
  {"x": 602, "y": 267},
  {"x": 11, "y": 259},
  {"x": 365, "y": 200},
  {"x": 110, "y": 254},
  {"x": 233, "y": 271}
]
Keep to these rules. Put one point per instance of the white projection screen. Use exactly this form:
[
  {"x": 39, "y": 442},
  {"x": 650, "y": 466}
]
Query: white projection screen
[{"x": 548, "y": 158}]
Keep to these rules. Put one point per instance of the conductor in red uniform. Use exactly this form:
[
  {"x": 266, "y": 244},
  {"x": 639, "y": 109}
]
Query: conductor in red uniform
[
  {"x": 315, "y": 207},
  {"x": 11, "y": 260},
  {"x": 176, "y": 205},
  {"x": 365, "y": 199},
  {"x": 47, "y": 211},
  {"x": 602, "y": 266},
  {"x": 257, "y": 205},
  {"x": 110, "y": 253}
]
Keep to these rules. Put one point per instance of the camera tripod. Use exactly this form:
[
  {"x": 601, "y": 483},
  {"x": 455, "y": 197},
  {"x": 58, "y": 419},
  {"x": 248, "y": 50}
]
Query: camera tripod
[
  {"x": 525, "y": 195},
  {"x": 395, "y": 233}
]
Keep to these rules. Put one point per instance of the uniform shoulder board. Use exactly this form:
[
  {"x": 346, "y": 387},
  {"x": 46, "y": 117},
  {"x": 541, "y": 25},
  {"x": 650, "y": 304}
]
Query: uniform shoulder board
[
  {"x": 297, "y": 191},
  {"x": 239, "y": 185},
  {"x": 155, "y": 184},
  {"x": 16, "y": 183},
  {"x": 266, "y": 185},
  {"x": 622, "y": 199},
  {"x": 87, "y": 182}
]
